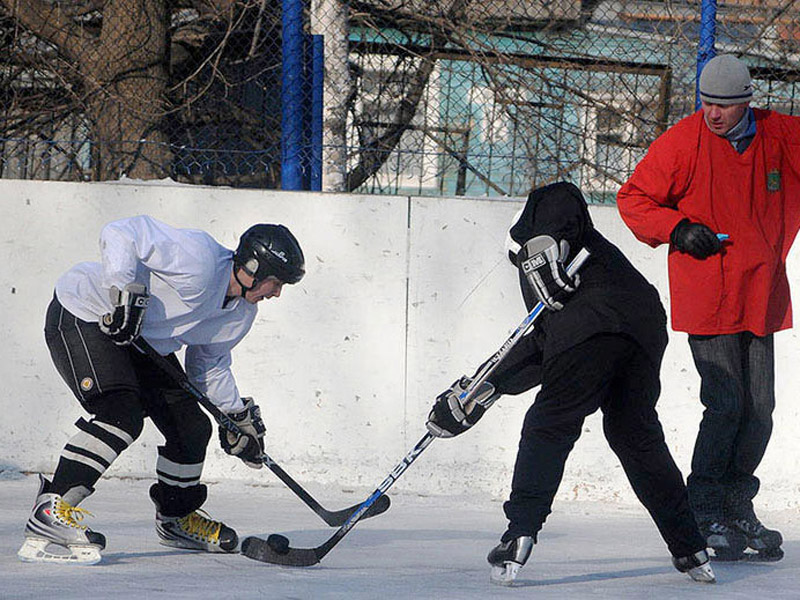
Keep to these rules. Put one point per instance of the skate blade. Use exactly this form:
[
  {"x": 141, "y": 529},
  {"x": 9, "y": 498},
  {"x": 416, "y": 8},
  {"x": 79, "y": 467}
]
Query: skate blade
[
  {"x": 725, "y": 555},
  {"x": 504, "y": 574},
  {"x": 43, "y": 551},
  {"x": 702, "y": 574},
  {"x": 769, "y": 555},
  {"x": 195, "y": 546}
]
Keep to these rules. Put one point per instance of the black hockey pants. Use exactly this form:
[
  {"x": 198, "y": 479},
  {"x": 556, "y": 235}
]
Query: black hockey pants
[
  {"x": 610, "y": 372},
  {"x": 120, "y": 387}
]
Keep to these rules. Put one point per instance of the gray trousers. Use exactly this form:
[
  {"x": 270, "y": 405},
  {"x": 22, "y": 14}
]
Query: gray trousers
[{"x": 738, "y": 392}]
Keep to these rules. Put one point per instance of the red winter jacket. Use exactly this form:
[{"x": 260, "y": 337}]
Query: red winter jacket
[{"x": 754, "y": 197}]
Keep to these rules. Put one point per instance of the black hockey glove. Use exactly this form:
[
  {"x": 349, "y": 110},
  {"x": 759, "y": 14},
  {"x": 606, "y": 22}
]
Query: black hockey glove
[
  {"x": 451, "y": 415},
  {"x": 249, "y": 445},
  {"x": 124, "y": 323},
  {"x": 542, "y": 261},
  {"x": 695, "y": 239}
]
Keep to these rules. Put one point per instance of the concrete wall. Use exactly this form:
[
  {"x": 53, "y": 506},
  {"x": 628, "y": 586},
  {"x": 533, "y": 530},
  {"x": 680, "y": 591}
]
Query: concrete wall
[{"x": 402, "y": 296}]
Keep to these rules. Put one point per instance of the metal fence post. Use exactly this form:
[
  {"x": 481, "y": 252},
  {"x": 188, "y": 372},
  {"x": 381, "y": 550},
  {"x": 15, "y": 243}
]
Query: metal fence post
[
  {"x": 317, "y": 81},
  {"x": 705, "y": 47},
  {"x": 292, "y": 95}
]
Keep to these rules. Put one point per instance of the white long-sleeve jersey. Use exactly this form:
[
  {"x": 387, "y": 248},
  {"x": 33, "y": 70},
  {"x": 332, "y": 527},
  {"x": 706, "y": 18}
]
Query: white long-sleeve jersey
[{"x": 187, "y": 274}]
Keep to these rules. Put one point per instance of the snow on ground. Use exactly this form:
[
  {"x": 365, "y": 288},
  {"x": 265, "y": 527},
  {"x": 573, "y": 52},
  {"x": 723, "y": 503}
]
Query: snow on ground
[{"x": 423, "y": 547}]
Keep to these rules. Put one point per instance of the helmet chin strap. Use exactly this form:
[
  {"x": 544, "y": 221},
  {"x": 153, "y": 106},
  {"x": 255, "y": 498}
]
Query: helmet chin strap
[{"x": 245, "y": 288}]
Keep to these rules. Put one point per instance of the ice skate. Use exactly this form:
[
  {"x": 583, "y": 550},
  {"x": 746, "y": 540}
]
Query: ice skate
[
  {"x": 53, "y": 532},
  {"x": 196, "y": 531},
  {"x": 727, "y": 543},
  {"x": 765, "y": 542},
  {"x": 507, "y": 558},
  {"x": 696, "y": 565}
]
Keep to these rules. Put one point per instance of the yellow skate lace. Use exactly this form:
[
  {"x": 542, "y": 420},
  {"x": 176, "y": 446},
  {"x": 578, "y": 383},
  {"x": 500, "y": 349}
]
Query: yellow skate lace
[
  {"x": 198, "y": 524},
  {"x": 70, "y": 515}
]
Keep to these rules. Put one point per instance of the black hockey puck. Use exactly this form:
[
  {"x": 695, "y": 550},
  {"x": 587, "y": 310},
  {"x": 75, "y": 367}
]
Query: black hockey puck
[{"x": 279, "y": 543}]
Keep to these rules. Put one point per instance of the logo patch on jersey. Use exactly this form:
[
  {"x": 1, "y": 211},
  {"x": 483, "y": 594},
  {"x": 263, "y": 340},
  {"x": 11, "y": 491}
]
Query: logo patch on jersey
[
  {"x": 87, "y": 384},
  {"x": 774, "y": 181}
]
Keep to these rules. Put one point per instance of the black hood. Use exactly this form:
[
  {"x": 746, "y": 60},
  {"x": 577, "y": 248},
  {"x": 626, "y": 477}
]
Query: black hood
[{"x": 558, "y": 210}]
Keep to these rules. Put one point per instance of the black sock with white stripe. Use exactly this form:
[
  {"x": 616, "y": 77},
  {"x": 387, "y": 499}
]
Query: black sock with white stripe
[
  {"x": 96, "y": 445},
  {"x": 178, "y": 491}
]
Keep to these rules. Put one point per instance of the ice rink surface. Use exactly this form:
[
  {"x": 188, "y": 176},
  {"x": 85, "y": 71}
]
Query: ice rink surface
[{"x": 423, "y": 547}]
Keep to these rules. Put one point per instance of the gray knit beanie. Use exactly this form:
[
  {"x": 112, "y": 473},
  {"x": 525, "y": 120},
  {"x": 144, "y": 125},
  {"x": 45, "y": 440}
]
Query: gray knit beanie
[{"x": 725, "y": 80}]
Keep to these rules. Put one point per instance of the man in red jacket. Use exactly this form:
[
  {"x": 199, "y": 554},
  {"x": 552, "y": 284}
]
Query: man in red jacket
[{"x": 727, "y": 169}]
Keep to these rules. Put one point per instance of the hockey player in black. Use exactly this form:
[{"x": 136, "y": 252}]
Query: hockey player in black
[{"x": 599, "y": 346}]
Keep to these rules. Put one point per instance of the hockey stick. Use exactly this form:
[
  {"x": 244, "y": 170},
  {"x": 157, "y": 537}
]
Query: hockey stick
[
  {"x": 276, "y": 550},
  {"x": 334, "y": 518}
]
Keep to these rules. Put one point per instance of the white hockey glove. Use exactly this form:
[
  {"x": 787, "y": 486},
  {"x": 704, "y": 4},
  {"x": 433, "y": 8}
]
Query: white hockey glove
[
  {"x": 249, "y": 445},
  {"x": 124, "y": 323},
  {"x": 542, "y": 261},
  {"x": 451, "y": 416}
]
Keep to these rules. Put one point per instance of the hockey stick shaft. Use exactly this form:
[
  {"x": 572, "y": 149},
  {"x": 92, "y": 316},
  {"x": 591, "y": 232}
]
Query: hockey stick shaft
[
  {"x": 482, "y": 375},
  {"x": 332, "y": 518},
  {"x": 259, "y": 549},
  {"x": 490, "y": 365},
  {"x": 395, "y": 474}
]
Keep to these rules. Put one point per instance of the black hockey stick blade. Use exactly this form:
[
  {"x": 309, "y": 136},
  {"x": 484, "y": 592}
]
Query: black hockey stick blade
[
  {"x": 333, "y": 518},
  {"x": 258, "y": 549},
  {"x": 337, "y": 518},
  {"x": 262, "y": 550}
]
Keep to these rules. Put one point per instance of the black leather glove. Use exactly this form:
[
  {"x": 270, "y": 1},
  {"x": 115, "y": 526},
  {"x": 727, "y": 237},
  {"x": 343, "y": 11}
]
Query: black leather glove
[
  {"x": 249, "y": 445},
  {"x": 542, "y": 261},
  {"x": 451, "y": 416},
  {"x": 695, "y": 239},
  {"x": 124, "y": 323}
]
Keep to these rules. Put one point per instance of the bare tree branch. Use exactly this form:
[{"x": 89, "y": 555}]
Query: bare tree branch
[{"x": 50, "y": 24}]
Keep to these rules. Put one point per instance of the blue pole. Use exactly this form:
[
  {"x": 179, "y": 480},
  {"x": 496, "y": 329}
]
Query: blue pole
[
  {"x": 292, "y": 95},
  {"x": 705, "y": 47},
  {"x": 305, "y": 158},
  {"x": 317, "y": 79}
]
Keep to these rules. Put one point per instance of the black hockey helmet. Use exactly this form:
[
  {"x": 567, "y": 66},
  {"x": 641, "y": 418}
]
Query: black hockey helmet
[{"x": 270, "y": 250}]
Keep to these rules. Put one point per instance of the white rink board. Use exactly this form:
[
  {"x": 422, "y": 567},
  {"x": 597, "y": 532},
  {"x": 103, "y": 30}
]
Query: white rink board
[
  {"x": 402, "y": 296},
  {"x": 324, "y": 361}
]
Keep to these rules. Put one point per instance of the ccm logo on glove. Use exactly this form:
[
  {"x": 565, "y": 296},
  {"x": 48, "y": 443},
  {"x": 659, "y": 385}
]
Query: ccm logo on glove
[{"x": 124, "y": 322}]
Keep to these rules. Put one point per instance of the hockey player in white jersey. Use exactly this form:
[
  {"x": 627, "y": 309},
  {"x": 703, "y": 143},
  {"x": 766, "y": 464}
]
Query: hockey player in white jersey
[{"x": 175, "y": 288}]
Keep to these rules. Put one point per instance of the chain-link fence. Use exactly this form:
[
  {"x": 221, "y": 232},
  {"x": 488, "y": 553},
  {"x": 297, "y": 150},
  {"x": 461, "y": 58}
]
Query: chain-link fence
[
  {"x": 143, "y": 88},
  {"x": 424, "y": 97}
]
